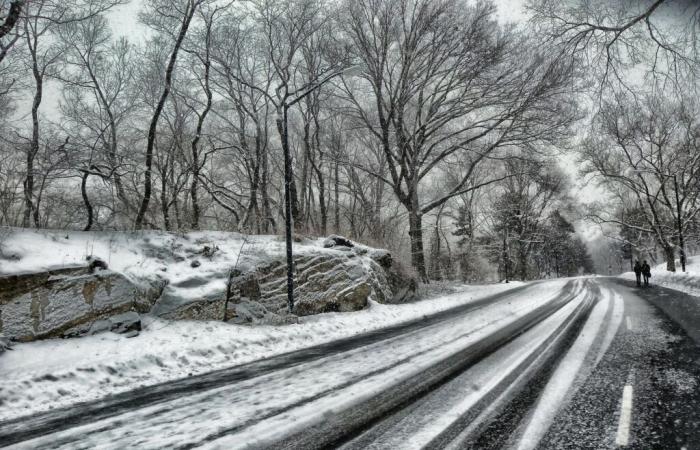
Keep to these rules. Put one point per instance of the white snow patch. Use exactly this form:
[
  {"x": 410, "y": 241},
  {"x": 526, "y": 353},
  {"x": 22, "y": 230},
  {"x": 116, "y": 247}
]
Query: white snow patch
[
  {"x": 146, "y": 257},
  {"x": 54, "y": 373},
  {"x": 272, "y": 405}
]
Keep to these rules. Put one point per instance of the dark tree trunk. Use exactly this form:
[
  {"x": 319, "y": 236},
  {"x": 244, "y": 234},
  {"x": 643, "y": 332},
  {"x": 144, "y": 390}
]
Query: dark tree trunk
[
  {"x": 336, "y": 189},
  {"x": 159, "y": 109},
  {"x": 670, "y": 257},
  {"x": 164, "y": 200},
  {"x": 29, "y": 205},
  {"x": 11, "y": 18},
  {"x": 288, "y": 201},
  {"x": 523, "y": 253},
  {"x": 197, "y": 136},
  {"x": 415, "y": 232},
  {"x": 86, "y": 201},
  {"x": 269, "y": 223}
]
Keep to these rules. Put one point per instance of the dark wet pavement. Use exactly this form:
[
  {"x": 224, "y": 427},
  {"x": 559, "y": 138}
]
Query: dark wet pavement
[
  {"x": 656, "y": 353},
  {"x": 660, "y": 361}
]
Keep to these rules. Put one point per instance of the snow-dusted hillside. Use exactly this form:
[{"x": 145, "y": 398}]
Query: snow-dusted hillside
[
  {"x": 688, "y": 281},
  {"x": 47, "y": 291},
  {"x": 148, "y": 257}
]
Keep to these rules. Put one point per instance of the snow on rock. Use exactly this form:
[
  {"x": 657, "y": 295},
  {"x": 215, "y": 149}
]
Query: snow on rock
[
  {"x": 335, "y": 240},
  {"x": 199, "y": 275},
  {"x": 65, "y": 302},
  {"x": 60, "y": 372},
  {"x": 4, "y": 343},
  {"x": 688, "y": 281}
]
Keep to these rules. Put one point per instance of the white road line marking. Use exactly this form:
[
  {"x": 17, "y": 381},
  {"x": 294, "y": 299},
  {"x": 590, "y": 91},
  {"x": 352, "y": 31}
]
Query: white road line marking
[
  {"x": 623, "y": 428},
  {"x": 629, "y": 323}
]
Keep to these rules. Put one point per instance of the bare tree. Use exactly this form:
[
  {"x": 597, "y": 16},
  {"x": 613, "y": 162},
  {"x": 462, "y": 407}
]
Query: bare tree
[
  {"x": 243, "y": 78},
  {"x": 286, "y": 27},
  {"x": 40, "y": 20},
  {"x": 447, "y": 82},
  {"x": 649, "y": 149},
  {"x": 609, "y": 37},
  {"x": 98, "y": 98},
  {"x": 161, "y": 17}
]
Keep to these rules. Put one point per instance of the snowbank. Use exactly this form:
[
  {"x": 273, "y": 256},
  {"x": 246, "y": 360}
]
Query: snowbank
[
  {"x": 148, "y": 257},
  {"x": 688, "y": 281},
  {"x": 201, "y": 275},
  {"x": 47, "y": 374}
]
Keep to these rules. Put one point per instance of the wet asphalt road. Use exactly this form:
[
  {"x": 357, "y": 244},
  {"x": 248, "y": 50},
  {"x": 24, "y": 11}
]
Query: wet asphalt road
[
  {"x": 638, "y": 385},
  {"x": 654, "y": 356}
]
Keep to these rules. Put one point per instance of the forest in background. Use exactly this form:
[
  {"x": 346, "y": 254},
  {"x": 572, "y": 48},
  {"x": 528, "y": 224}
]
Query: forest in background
[{"x": 427, "y": 127}]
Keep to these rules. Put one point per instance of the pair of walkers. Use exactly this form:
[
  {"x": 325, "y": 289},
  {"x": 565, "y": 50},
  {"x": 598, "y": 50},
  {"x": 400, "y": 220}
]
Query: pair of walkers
[{"x": 642, "y": 270}]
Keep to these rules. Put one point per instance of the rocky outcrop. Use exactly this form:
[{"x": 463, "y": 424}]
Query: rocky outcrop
[
  {"x": 338, "y": 281},
  {"x": 65, "y": 302},
  {"x": 128, "y": 323},
  {"x": 4, "y": 344},
  {"x": 340, "y": 277},
  {"x": 337, "y": 241}
]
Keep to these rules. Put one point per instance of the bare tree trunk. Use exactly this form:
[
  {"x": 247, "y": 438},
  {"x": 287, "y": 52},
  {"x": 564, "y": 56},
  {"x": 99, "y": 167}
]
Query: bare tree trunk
[
  {"x": 11, "y": 18},
  {"x": 198, "y": 133},
  {"x": 192, "y": 7},
  {"x": 34, "y": 144},
  {"x": 318, "y": 168},
  {"x": 86, "y": 201},
  {"x": 288, "y": 201},
  {"x": 37, "y": 202},
  {"x": 164, "y": 198},
  {"x": 415, "y": 232},
  {"x": 670, "y": 257},
  {"x": 523, "y": 254},
  {"x": 269, "y": 222}
]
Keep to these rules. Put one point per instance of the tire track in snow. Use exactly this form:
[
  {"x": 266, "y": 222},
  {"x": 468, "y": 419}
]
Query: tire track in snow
[{"x": 561, "y": 385}]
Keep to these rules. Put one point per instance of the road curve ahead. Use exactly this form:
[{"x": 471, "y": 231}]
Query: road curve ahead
[{"x": 581, "y": 363}]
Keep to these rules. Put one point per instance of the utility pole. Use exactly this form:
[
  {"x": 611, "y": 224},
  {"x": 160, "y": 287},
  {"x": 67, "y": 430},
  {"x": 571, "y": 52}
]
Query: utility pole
[
  {"x": 505, "y": 253},
  {"x": 680, "y": 223}
]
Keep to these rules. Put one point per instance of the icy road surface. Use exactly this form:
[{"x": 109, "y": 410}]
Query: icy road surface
[{"x": 560, "y": 364}]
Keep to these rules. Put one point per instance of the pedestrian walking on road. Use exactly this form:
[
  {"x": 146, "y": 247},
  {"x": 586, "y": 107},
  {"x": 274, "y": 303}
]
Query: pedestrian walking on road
[
  {"x": 638, "y": 273},
  {"x": 646, "y": 272}
]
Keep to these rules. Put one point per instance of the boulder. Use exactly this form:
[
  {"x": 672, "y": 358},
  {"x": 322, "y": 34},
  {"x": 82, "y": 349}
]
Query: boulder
[
  {"x": 172, "y": 305},
  {"x": 95, "y": 264},
  {"x": 402, "y": 283},
  {"x": 337, "y": 241},
  {"x": 4, "y": 344},
  {"x": 381, "y": 257},
  {"x": 126, "y": 323},
  {"x": 249, "y": 311},
  {"x": 66, "y": 302},
  {"x": 244, "y": 286}
]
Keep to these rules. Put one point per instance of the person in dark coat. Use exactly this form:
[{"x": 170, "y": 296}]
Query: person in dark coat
[
  {"x": 646, "y": 272},
  {"x": 638, "y": 272}
]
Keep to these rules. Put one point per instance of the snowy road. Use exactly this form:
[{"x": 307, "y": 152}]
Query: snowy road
[{"x": 549, "y": 365}]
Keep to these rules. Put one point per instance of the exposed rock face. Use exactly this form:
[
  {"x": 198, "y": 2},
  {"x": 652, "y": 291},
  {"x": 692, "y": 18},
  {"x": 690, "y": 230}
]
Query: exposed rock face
[
  {"x": 323, "y": 283},
  {"x": 65, "y": 302},
  {"x": 128, "y": 323},
  {"x": 4, "y": 344},
  {"x": 74, "y": 300}
]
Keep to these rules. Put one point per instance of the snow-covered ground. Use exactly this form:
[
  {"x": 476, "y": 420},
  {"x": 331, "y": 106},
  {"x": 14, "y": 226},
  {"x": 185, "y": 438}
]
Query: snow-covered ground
[
  {"x": 273, "y": 405},
  {"x": 43, "y": 375},
  {"x": 147, "y": 257},
  {"x": 688, "y": 281}
]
